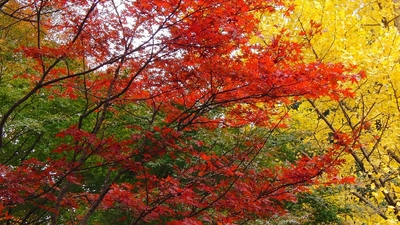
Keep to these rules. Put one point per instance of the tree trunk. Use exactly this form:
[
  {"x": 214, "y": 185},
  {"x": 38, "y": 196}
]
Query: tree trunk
[{"x": 396, "y": 4}]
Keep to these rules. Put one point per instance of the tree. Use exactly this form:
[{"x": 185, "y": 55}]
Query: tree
[
  {"x": 149, "y": 112},
  {"x": 362, "y": 33}
]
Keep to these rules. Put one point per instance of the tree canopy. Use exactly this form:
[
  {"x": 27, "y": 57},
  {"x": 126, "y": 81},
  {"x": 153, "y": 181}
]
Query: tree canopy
[
  {"x": 192, "y": 112},
  {"x": 366, "y": 34}
]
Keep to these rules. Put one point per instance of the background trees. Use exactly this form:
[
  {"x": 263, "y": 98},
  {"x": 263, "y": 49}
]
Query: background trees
[
  {"x": 362, "y": 33},
  {"x": 154, "y": 112}
]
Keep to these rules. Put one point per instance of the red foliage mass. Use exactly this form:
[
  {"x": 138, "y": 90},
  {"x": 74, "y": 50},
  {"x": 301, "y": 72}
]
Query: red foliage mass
[{"x": 181, "y": 60}]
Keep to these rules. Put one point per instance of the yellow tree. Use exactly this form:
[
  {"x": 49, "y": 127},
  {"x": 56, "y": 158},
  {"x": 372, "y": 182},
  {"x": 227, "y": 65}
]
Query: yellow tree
[{"x": 364, "y": 33}]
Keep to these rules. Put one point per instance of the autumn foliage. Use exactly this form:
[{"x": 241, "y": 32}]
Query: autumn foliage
[{"x": 153, "y": 112}]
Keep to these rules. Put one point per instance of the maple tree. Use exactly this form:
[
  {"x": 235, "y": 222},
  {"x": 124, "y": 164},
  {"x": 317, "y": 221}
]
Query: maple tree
[
  {"x": 362, "y": 33},
  {"x": 149, "y": 112}
]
